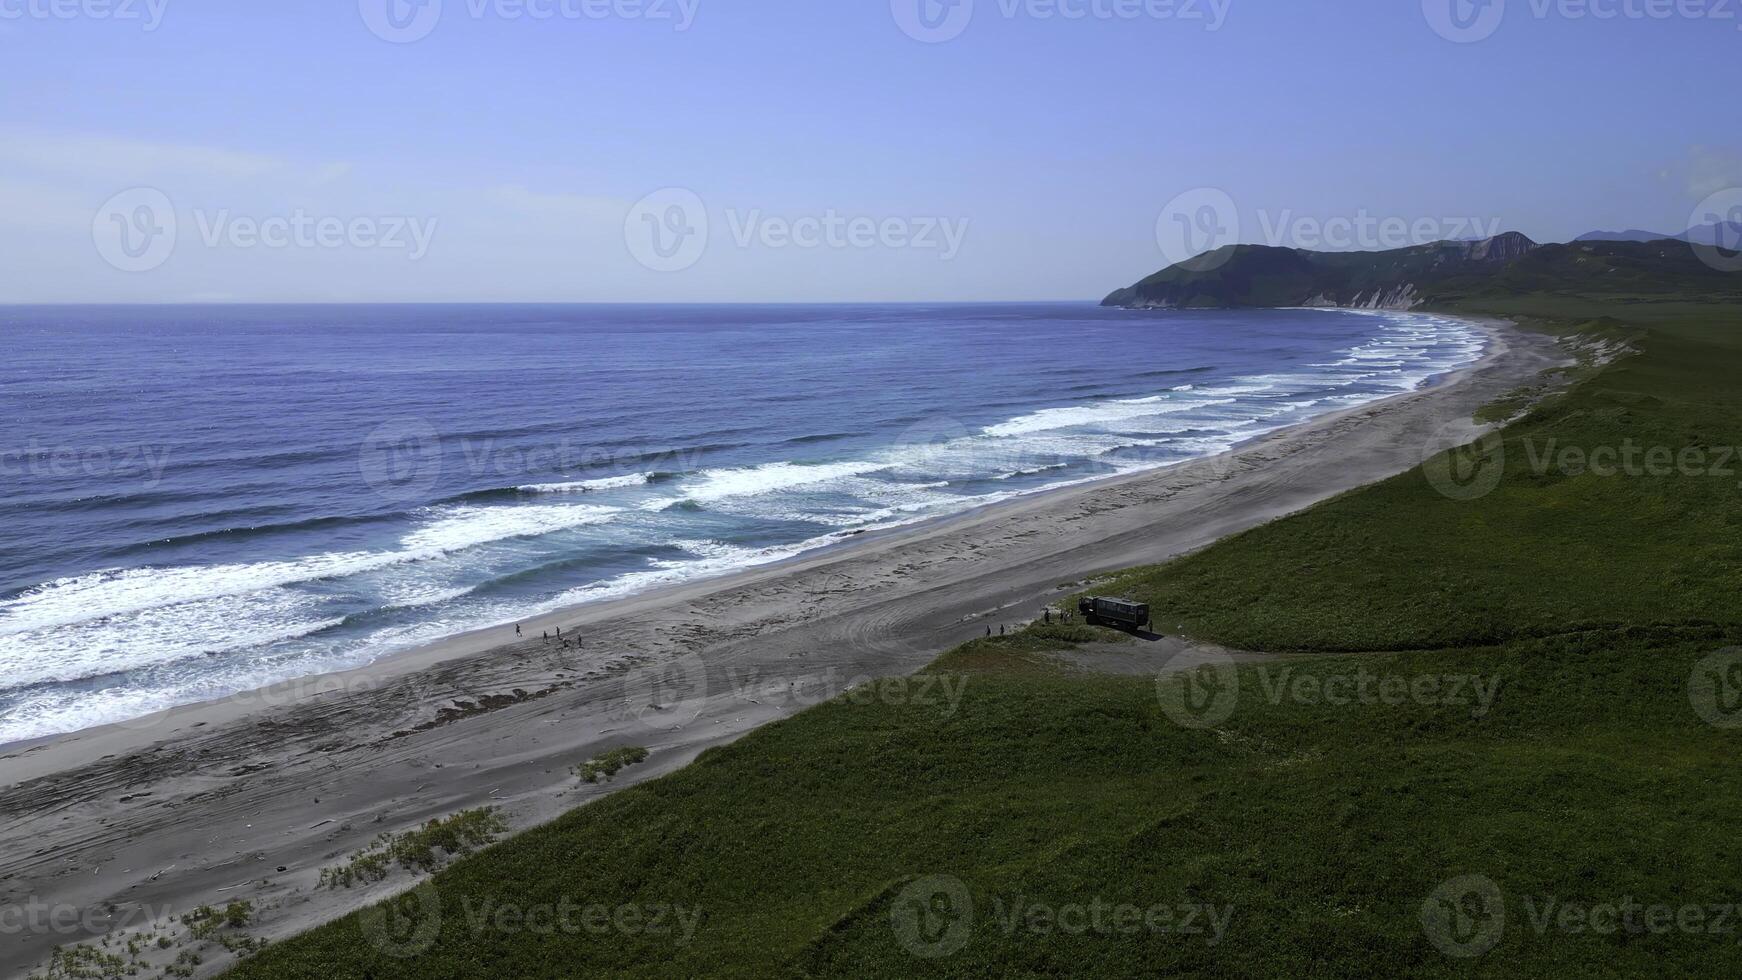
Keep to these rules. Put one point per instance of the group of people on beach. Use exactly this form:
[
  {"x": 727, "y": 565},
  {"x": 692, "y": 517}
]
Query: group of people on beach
[{"x": 564, "y": 642}]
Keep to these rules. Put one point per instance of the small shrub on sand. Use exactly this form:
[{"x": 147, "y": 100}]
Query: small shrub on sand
[
  {"x": 611, "y": 763},
  {"x": 423, "y": 849}
]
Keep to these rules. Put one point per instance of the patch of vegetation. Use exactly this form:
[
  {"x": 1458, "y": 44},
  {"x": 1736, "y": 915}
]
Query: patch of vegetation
[
  {"x": 185, "y": 965},
  {"x": 611, "y": 763},
  {"x": 205, "y": 920},
  {"x": 1029, "y": 649},
  {"x": 84, "y": 962},
  {"x": 104, "y": 959},
  {"x": 421, "y": 850}
]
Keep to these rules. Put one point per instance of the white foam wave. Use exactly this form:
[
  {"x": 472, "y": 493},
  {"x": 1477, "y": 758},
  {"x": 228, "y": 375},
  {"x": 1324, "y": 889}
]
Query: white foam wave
[
  {"x": 589, "y": 486},
  {"x": 754, "y": 480},
  {"x": 117, "y": 592},
  {"x": 1048, "y": 419},
  {"x": 458, "y": 528}
]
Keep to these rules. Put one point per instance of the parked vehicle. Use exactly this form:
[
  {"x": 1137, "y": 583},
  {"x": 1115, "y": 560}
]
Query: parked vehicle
[{"x": 1115, "y": 612}]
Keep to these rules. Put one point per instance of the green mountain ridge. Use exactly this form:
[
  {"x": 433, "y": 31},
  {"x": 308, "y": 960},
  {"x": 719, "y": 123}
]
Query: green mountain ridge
[{"x": 1248, "y": 276}]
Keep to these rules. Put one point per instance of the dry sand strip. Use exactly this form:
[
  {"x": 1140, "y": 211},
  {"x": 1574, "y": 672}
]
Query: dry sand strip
[{"x": 207, "y": 803}]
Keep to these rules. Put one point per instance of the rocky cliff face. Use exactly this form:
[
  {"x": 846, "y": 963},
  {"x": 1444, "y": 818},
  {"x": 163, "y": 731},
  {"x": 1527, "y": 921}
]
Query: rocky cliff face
[
  {"x": 1501, "y": 248},
  {"x": 1263, "y": 276},
  {"x": 1400, "y": 297}
]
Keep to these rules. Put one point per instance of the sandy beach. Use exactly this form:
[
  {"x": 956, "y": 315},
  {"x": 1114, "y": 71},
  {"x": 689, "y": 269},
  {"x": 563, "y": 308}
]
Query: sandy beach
[{"x": 252, "y": 796}]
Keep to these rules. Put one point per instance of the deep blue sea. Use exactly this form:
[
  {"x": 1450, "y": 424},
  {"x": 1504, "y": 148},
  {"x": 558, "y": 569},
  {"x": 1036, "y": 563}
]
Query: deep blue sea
[{"x": 196, "y": 501}]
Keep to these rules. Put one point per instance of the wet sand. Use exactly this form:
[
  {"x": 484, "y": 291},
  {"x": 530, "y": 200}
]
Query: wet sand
[{"x": 203, "y": 804}]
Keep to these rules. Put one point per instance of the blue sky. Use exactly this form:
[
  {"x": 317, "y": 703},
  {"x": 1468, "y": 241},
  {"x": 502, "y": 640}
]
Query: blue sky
[{"x": 501, "y": 156}]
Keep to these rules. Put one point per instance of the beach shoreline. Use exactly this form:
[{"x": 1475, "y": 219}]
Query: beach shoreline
[
  {"x": 145, "y": 813},
  {"x": 475, "y": 640}
]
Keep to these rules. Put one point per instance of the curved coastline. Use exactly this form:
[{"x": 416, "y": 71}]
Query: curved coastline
[
  {"x": 318, "y": 766},
  {"x": 314, "y": 650}
]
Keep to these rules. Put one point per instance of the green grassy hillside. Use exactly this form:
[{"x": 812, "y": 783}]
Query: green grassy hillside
[
  {"x": 1312, "y": 834},
  {"x": 1438, "y": 274},
  {"x": 1571, "y": 536},
  {"x": 1523, "y": 778}
]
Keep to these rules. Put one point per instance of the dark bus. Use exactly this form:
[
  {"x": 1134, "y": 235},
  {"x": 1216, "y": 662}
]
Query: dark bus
[{"x": 1115, "y": 612}]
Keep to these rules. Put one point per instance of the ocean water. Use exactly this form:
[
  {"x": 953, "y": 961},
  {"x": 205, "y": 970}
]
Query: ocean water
[{"x": 196, "y": 501}]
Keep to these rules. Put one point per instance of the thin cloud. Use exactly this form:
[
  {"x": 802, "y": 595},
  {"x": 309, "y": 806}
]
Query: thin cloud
[
  {"x": 557, "y": 207},
  {"x": 120, "y": 159}
]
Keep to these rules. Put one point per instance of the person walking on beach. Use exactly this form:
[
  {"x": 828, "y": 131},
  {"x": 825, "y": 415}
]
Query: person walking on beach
[
  {"x": 517, "y": 631},
  {"x": 988, "y": 631},
  {"x": 1049, "y": 615}
]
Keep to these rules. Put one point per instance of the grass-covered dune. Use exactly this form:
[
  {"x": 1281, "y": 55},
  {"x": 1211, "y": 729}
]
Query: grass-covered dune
[
  {"x": 1519, "y": 775},
  {"x": 1618, "y": 504},
  {"x": 1312, "y": 832}
]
